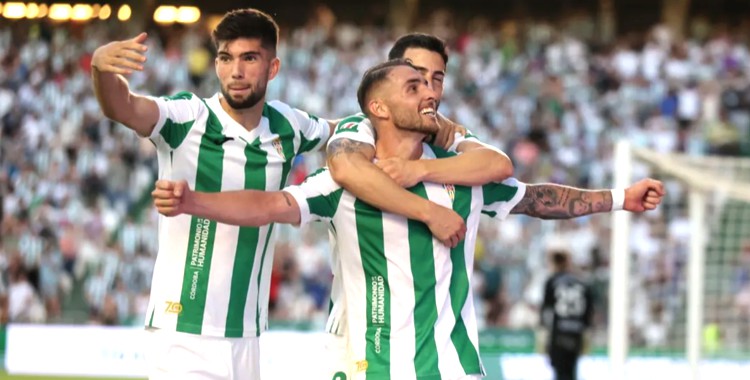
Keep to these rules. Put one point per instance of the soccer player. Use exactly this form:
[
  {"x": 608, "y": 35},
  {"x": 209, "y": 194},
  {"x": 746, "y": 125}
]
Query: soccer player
[
  {"x": 409, "y": 308},
  {"x": 211, "y": 280},
  {"x": 566, "y": 315},
  {"x": 210, "y": 288},
  {"x": 352, "y": 148}
]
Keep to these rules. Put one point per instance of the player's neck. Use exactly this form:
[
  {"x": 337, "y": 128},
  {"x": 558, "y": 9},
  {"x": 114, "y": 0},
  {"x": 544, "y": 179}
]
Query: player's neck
[
  {"x": 392, "y": 142},
  {"x": 249, "y": 118}
]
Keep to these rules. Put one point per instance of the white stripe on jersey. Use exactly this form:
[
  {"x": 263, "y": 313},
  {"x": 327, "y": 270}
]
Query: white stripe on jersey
[
  {"x": 186, "y": 116},
  {"x": 447, "y": 356},
  {"x": 403, "y": 347}
]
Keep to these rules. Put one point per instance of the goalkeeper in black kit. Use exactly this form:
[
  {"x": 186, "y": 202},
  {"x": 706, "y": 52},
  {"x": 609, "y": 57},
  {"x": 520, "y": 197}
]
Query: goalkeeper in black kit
[{"x": 566, "y": 316}]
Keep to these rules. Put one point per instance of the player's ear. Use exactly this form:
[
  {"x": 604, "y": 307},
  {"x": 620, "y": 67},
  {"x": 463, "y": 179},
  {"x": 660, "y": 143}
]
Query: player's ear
[
  {"x": 378, "y": 109},
  {"x": 273, "y": 69}
]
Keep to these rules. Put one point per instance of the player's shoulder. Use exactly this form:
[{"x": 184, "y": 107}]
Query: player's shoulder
[
  {"x": 182, "y": 95},
  {"x": 288, "y": 111},
  {"x": 277, "y": 106},
  {"x": 321, "y": 179},
  {"x": 353, "y": 123}
]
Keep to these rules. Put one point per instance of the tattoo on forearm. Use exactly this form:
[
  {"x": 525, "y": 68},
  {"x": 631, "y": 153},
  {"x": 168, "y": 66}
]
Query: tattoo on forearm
[
  {"x": 342, "y": 146},
  {"x": 288, "y": 201},
  {"x": 550, "y": 201}
]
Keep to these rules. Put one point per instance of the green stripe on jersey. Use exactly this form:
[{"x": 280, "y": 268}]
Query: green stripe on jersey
[
  {"x": 305, "y": 144},
  {"x": 459, "y": 290},
  {"x": 425, "y": 309},
  {"x": 325, "y": 205},
  {"x": 202, "y": 231},
  {"x": 174, "y": 133},
  {"x": 182, "y": 95},
  {"x": 374, "y": 265},
  {"x": 497, "y": 192},
  {"x": 440, "y": 152},
  {"x": 278, "y": 124},
  {"x": 247, "y": 243}
]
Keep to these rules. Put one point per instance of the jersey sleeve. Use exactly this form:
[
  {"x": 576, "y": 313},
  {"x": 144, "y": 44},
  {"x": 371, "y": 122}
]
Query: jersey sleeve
[
  {"x": 500, "y": 198},
  {"x": 462, "y": 138},
  {"x": 318, "y": 197},
  {"x": 313, "y": 131},
  {"x": 357, "y": 128},
  {"x": 177, "y": 114}
]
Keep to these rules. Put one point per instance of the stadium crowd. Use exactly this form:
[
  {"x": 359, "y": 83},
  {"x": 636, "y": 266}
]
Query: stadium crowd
[{"x": 78, "y": 234}]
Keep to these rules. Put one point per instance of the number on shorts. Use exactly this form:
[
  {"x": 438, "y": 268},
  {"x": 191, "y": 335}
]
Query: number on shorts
[{"x": 339, "y": 376}]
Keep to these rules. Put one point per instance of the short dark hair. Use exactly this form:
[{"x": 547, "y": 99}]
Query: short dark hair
[
  {"x": 420, "y": 41},
  {"x": 374, "y": 76},
  {"x": 247, "y": 23},
  {"x": 560, "y": 259}
]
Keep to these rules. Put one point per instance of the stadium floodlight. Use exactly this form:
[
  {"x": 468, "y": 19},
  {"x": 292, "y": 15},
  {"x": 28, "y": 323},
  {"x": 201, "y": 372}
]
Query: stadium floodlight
[
  {"x": 124, "y": 13},
  {"x": 188, "y": 15},
  {"x": 14, "y": 10},
  {"x": 60, "y": 12},
  {"x": 43, "y": 11},
  {"x": 82, "y": 12},
  {"x": 95, "y": 10},
  {"x": 32, "y": 10},
  {"x": 105, "y": 12},
  {"x": 165, "y": 14}
]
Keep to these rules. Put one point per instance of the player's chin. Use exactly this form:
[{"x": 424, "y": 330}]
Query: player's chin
[{"x": 430, "y": 125}]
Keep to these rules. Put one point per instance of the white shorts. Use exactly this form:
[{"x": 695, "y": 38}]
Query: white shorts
[
  {"x": 339, "y": 365},
  {"x": 179, "y": 356}
]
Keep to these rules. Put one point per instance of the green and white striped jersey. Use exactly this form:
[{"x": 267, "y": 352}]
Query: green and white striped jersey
[
  {"x": 212, "y": 278},
  {"x": 357, "y": 127},
  {"x": 407, "y": 298}
]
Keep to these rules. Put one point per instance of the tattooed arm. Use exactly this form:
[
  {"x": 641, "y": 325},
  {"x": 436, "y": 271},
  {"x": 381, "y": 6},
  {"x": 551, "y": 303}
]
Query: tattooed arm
[
  {"x": 350, "y": 163},
  {"x": 351, "y": 166},
  {"x": 551, "y": 201}
]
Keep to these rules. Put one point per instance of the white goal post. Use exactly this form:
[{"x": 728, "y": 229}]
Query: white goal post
[{"x": 708, "y": 187}]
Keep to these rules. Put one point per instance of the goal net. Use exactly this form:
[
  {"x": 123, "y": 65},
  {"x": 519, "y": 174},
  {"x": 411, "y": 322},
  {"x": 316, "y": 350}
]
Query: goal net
[{"x": 680, "y": 276}]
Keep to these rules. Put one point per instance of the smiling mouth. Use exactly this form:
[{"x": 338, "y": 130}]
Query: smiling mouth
[{"x": 429, "y": 111}]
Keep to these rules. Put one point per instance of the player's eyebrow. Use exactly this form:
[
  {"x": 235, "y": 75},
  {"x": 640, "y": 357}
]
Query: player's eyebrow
[
  {"x": 252, "y": 53},
  {"x": 424, "y": 70},
  {"x": 415, "y": 81}
]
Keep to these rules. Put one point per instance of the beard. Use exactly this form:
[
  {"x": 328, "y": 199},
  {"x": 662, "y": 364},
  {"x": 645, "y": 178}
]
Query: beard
[
  {"x": 415, "y": 122},
  {"x": 248, "y": 101}
]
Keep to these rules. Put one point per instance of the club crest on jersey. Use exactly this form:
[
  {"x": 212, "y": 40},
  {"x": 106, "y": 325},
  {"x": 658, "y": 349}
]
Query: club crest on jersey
[
  {"x": 279, "y": 149},
  {"x": 451, "y": 190}
]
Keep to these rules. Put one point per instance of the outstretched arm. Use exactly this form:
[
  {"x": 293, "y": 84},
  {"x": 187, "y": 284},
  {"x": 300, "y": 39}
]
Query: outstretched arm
[
  {"x": 552, "y": 201},
  {"x": 252, "y": 208},
  {"x": 108, "y": 65}
]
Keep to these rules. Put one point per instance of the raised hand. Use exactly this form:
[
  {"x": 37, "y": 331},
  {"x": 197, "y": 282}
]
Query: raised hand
[
  {"x": 170, "y": 197},
  {"x": 121, "y": 57},
  {"x": 643, "y": 195},
  {"x": 446, "y": 135},
  {"x": 406, "y": 173},
  {"x": 446, "y": 225}
]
